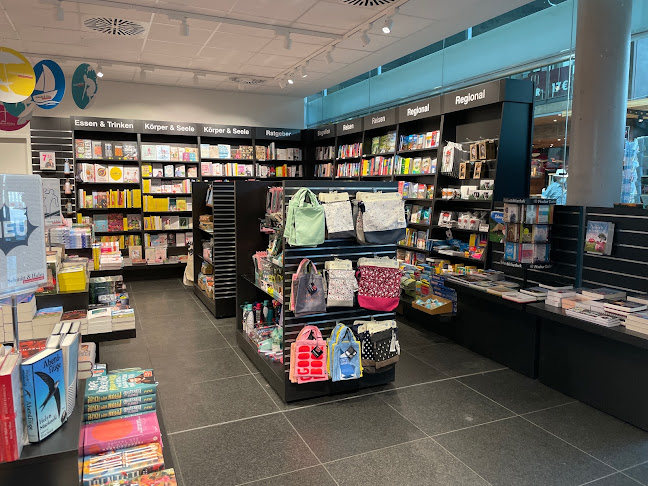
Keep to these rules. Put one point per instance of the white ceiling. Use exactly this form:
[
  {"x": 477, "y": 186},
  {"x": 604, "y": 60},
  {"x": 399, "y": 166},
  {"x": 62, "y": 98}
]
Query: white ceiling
[{"x": 219, "y": 49}]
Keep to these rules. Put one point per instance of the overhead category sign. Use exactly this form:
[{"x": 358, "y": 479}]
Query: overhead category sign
[{"x": 228, "y": 131}]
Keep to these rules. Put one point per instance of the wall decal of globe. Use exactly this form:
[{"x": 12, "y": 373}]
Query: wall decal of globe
[{"x": 84, "y": 85}]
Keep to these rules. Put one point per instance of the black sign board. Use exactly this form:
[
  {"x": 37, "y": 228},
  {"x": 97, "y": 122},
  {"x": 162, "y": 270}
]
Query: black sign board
[
  {"x": 170, "y": 128},
  {"x": 103, "y": 124},
  {"x": 380, "y": 119},
  {"x": 350, "y": 126},
  {"x": 420, "y": 109},
  {"x": 278, "y": 133},
  {"x": 225, "y": 131},
  {"x": 480, "y": 95},
  {"x": 327, "y": 131}
]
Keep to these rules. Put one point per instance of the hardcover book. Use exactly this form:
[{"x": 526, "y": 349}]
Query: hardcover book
[
  {"x": 119, "y": 412},
  {"x": 117, "y": 386},
  {"x": 116, "y": 173},
  {"x": 131, "y": 174},
  {"x": 44, "y": 393},
  {"x": 599, "y": 237},
  {"x": 149, "y": 152},
  {"x": 97, "y": 152},
  {"x": 111, "y": 466},
  {"x": 163, "y": 152},
  {"x": 101, "y": 173},
  {"x": 159, "y": 478},
  {"x": 117, "y": 433},
  {"x": 120, "y": 403},
  {"x": 11, "y": 408}
]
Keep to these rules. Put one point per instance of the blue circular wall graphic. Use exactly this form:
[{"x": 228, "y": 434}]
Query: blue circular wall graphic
[
  {"x": 50, "y": 84},
  {"x": 84, "y": 85}
]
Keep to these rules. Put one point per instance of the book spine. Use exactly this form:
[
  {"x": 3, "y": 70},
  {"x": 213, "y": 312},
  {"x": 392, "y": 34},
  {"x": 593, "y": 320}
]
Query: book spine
[
  {"x": 119, "y": 412},
  {"x": 6, "y": 397},
  {"x": 146, "y": 437},
  {"x": 9, "y": 440},
  {"x": 29, "y": 400},
  {"x": 101, "y": 396}
]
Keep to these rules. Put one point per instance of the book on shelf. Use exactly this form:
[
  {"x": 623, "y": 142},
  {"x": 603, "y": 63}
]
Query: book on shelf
[
  {"x": 70, "y": 347},
  {"x": 97, "y": 152},
  {"x": 599, "y": 237},
  {"x": 130, "y": 462},
  {"x": 147, "y": 170},
  {"x": 121, "y": 385},
  {"x": 149, "y": 152},
  {"x": 116, "y": 173},
  {"x": 101, "y": 173},
  {"x": 131, "y": 174},
  {"x": 43, "y": 393},
  {"x": 174, "y": 153},
  {"x": 157, "y": 170},
  {"x": 12, "y": 427}
]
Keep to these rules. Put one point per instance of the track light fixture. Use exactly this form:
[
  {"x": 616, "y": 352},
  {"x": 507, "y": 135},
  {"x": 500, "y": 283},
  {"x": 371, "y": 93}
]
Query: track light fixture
[
  {"x": 364, "y": 38},
  {"x": 290, "y": 79},
  {"x": 287, "y": 42},
  {"x": 99, "y": 71},
  {"x": 302, "y": 72},
  {"x": 328, "y": 57},
  {"x": 142, "y": 74},
  {"x": 184, "y": 28},
  {"x": 195, "y": 79},
  {"x": 640, "y": 119},
  {"x": 388, "y": 25},
  {"x": 282, "y": 83},
  {"x": 60, "y": 13}
]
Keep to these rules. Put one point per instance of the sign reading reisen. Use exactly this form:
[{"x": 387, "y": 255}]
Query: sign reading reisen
[
  {"x": 225, "y": 131},
  {"x": 350, "y": 126},
  {"x": 380, "y": 119}
]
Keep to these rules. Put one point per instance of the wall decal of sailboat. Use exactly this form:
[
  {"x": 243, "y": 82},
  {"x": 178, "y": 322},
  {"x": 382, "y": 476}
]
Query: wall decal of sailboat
[{"x": 50, "y": 84}]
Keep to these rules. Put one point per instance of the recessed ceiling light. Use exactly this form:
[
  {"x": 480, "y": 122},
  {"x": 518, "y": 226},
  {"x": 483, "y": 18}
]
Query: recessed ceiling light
[
  {"x": 559, "y": 139},
  {"x": 556, "y": 120},
  {"x": 388, "y": 25}
]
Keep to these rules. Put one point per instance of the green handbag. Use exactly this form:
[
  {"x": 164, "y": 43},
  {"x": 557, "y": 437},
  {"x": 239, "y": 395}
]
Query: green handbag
[{"x": 304, "y": 220}]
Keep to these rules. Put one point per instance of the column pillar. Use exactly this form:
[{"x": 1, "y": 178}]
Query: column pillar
[{"x": 601, "y": 73}]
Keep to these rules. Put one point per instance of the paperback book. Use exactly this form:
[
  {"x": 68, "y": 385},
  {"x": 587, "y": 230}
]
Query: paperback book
[
  {"x": 599, "y": 237},
  {"x": 122, "y": 385},
  {"x": 117, "y": 433}
]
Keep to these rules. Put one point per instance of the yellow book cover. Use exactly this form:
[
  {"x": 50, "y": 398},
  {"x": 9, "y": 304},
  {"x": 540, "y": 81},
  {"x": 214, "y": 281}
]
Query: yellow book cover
[
  {"x": 406, "y": 164},
  {"x": 164, "y": 202},
  {"x": 121, "y": 242},
  {"x": 181, "y": 204},
  {"x": 147, "y": 170},
  {"x": 137, "y": 198},
  {"x": 146, "y": 185},
  {"x": 125, "y": 223}
]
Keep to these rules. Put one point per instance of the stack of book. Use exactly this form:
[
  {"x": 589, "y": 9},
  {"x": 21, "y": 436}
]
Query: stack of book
[
  {"x": 75, "y": 317},
  {"x": 123, "y": 319},
  {"x": 538, "y": 292},
  {"x": 7, "y": 320},
  {"x": 519, "y": 297},
  {"x": 26, "y": 313},
  {"x": 603, "y": 293},
  {"x": 623, "y": 308},
  {"x": 72, "y": 279},
  {"x": 555, "y": 297},
  {"x": 637, "y": 322},
  {"x": 109, "y": 290},
  {"x": 122, "y": 433},
  {"x": 100, "y": 320},
  {"x": 12, "y": 427},
  {"x": 44, "y": 321},
  {"x": 599, "y": 318},
  {"x": 166, "y": 477},
  {"x": 87, "y": 356}
]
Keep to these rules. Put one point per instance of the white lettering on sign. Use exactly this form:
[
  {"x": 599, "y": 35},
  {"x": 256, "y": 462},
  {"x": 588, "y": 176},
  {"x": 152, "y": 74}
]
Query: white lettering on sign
[
  {"x": 348, "y": 126},
  {"x": 464, "y": 100},
  {"x": 239, "y": 131},
  {"x": 378, "y": 119},
  {"x": 182, "y": 128},
  {"x": 126, "y": 126},
  {"x": 321, "y": 133},
  {"x": 274, "y": 133},
  {"x": 85, "y": 123},
  {"x": 418, "y": 110},
  {"x": 213, "y": 130},
  {"x": 157, "y": 128}
]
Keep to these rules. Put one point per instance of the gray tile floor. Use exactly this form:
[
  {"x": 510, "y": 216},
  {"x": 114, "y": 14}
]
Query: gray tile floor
[{"x": 452, "y": 417}]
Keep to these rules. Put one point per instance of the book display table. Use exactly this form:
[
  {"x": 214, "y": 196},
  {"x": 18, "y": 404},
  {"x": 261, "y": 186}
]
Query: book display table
[{"x": 497, "y": 328}]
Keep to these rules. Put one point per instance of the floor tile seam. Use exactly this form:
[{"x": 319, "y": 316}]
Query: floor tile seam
[
  {"x": 277, "y": 475},
  {"x": 219, "y": 379},
  {"x": 549, "y": 408},
  {"x": 489, "y": 398},
  {"x": 630, "y": 467},
  {"x": 466, "y": 465},
  {"x": 309, "y": 448},
  {"x": 332, "y": 461},
  {"x": 227, "y": 422},
  {"x": 429, "y": 436},
  {"x": 193, "y": 350},
  {"x": 233, "y": 350},
  {"x": 598, "y": 479},
  {"x": 176, "y": 462},
  {"x": 472, "y": 426},
  {"x": 267, "y": 393},
  {"x": 570, "y": 444},
  {"x": 623, "y": 473},
  {"x": 423, "y": 361}
]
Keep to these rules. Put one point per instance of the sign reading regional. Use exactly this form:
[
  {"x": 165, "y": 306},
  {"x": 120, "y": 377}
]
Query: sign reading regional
[{"x": 22, "y": 234}]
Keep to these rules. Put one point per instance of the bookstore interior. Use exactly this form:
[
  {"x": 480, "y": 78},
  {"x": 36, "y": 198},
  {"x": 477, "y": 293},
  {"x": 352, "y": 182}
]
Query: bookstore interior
[{"x": 220, "y": 299}]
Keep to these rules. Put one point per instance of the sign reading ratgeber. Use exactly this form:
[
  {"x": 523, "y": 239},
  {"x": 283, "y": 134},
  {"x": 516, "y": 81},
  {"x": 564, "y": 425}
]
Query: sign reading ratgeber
[
  {"x": 480, "y": 95},
  {"x": 22, "y": 233},
  {"x": 103, "y": 124},
  {"x": 278, "y": 133},
  {"x": 173, "y": 128},
  {"x": 228, "y": 131}
]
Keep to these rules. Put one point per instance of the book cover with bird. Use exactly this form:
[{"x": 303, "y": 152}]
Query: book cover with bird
[{"x": 44, "y": 393}]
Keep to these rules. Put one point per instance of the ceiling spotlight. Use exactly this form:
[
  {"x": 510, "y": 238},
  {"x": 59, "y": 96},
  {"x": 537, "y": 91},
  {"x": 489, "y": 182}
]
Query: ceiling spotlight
[
  {"x": 328, "y": 57},
  {"x": 556, "y": 120},
  {"x": 287, "y": 42},
  {"x": 302, "y": 72},
  {"x": 290, "y": 79},
  {"x": 640, "y": 119},
  {"x": 559, "y": 139},
  {"x": 99, "y": 71},
  {"x": 184, "y": 28},
  {"x": 142, "y": 75},
  {"x": 282, "y": 83},
  {"x": 60, "y": 13},
  {"x": 195, "y": 79},
  {"x": 364, "y": 38},
  {"x": 388, "y": 25}
]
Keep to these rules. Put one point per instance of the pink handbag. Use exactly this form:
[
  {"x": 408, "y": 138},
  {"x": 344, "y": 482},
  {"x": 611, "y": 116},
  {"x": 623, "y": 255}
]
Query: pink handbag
[
  {"x": 379, "y": 284},
  {"x": 308, "y": 357}
]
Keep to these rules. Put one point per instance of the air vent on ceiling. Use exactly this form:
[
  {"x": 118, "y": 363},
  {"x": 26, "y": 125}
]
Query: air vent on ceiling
[
  {"x": 107, "y": 25},
  {"x": 247, "y": 81},
  {"x": 367, "y": 3}
]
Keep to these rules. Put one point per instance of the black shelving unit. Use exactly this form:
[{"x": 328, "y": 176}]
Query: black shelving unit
[
  {"x": 377, "y": 125},
  {"x": 348, "y": 132},
  {"x": 324, "y": 137},
  {"x": 250, "y": 206},
  {"x": 283, "y": 138}
]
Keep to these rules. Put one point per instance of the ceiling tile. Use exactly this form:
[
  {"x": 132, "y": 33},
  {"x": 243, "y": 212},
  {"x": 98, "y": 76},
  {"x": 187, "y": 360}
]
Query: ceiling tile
[
  {"x": 377, "y": 42},
  {"x": 170, "y": 49},
  {"x": 404, "y": 25},
  {"x": 336, "y": 15},
  {"x": 163, "y": 32},
  {"x": 348, "y": 56},
  {"x": 118, "y": 13},
  {"x": 319, "y": 66},
  {"x": 218, "y": 7},
  {"x": 115, "y": 45},
  {"x": 162, "y": 60},
  {"x": 266, "y": 71},
  {"x": 309, "y": 39},
  {"x": 274, "y": 61},
  {"x": 225, "y": 56},
  {"x": 247, "y": 31},
  {"x": 283, "y": 10},
  {"x": 42, "y": 16},
  {"x": 297, "y": 49},
  {"x": 229, "y": 40}
]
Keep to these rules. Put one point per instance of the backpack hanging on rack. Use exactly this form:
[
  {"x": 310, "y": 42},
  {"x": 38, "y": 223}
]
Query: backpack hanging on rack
[
  {"x": 379, "y": 344},
  {"x": 379, "y": 283},
  {"x": 307, "y": 294},
  {"x": 304, "y": 220},
  {"x": 341, "y": 284},
  {"x": 379, "y": 217},
  {"x": 308, "y": 357},
  {"x": 344, "y": 355},
  {"x": 339, "y": 220}
]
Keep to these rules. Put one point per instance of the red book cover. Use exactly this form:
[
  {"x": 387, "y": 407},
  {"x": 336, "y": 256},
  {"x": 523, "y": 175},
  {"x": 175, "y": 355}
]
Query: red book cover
[
  {"x": 119, "y": 433},
  {"x": 10, "y": 409},
  {"x": 30, "y": 347}
]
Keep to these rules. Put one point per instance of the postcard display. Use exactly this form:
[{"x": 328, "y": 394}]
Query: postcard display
[
  {"x": 251, "y": 199},
  {"x": 453, "y": 157}
]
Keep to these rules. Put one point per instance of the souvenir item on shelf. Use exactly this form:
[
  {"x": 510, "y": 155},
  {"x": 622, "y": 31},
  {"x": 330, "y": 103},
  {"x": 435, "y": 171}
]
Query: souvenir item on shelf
[
  {"x": 344, "y": 354},
  {"x": 341, "y": 284},
  {"x": 308, "y": 357},
  {"x": 307, "y": 292},
  {"x": 380, "y": 217},
  {"x": 379, "y": 344},
  {"x": 378, "y": 283},
  {"x": 304, "y": 220},
  {"x": 339, "y": 217}
]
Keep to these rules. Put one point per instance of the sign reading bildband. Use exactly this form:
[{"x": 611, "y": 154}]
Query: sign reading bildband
[
  {"x": 22, "y": 233},
  {"x": 480, "y": 95},
  {"x": 225, "y": 131}
]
